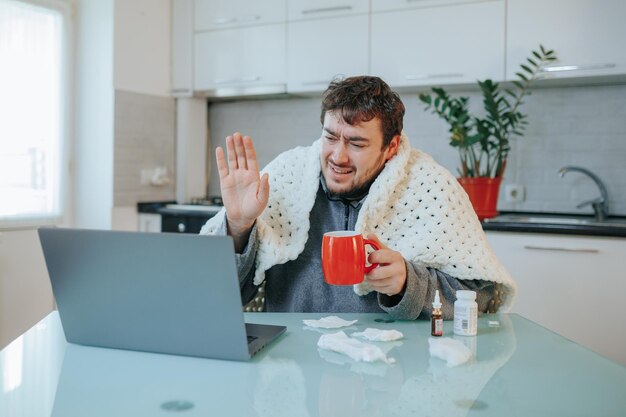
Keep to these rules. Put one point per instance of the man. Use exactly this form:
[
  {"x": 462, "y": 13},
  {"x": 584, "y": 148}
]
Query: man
[{"x": 360, "y": 175}]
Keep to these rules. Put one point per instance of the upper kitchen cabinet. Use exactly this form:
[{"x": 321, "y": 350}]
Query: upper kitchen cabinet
[
  {"x": 311, "y": 63},
  {"x": 182, "y": 48},
  {"x": 586, "y": 35},
  {"x": 220, "y": 14},
  {"x": 321, "y": 9},
  {"x": 385, "y": 5},
  {"x": 241, "y": 62},
  {"x": 451, "y": 44}
]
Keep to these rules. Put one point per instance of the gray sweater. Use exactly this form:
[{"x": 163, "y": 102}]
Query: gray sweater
[{"x": 299, "y": 286}]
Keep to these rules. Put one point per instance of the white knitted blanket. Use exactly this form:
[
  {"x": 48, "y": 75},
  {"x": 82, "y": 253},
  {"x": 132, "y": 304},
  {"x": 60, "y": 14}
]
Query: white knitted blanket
[{"x": 415, "y": 206}]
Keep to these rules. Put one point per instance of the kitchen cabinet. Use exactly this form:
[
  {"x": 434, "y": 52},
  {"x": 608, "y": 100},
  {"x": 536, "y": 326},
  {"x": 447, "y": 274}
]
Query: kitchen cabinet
[
  {"x": 243, "y": 47},
  {"x": 322, "y": 9},
  {"x": 311, "y": 64},
  {"x": 241, "y": 61},
  {"x": 454, "y": 44},
  {"x": 574, "y": 286},
  {"x": 585, "y": 34},
  {"x": 386, "y": 5},
  {"x": 149, "y": 222},
  {"x": 182, "y": 48},
  {"x": 223, "y": 14}
]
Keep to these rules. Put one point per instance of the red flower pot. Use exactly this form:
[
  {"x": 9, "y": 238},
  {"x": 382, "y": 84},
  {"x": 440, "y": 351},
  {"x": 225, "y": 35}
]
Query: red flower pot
[{"x": 483, "y": 193}]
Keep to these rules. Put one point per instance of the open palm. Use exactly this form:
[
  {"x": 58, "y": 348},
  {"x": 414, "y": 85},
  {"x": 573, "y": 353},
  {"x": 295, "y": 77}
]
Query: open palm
[{"x": 244, "y": 192}]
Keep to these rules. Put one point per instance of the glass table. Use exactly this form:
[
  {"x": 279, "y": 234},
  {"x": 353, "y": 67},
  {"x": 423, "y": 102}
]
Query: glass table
[{"x": 518, "y": 369}]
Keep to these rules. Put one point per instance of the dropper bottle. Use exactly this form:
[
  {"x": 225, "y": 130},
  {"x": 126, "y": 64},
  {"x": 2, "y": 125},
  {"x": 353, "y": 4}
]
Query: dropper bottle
[{"x": 436, "y": 319}]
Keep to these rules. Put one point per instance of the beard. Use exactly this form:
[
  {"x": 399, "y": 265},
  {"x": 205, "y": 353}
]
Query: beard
[{"x": 361, "y": 187}]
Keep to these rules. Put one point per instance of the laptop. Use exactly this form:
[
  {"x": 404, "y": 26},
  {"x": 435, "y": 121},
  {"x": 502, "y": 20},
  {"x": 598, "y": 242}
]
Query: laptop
[{"x": 153, "y": 292}]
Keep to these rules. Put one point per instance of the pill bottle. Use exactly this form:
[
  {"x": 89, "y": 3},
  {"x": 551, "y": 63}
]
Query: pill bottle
[{"x": 465, "y": 313}]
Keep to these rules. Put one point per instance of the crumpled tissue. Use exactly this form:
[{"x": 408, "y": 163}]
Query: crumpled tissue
[
  {"x": 355, "y": 349},
  {"x": 452, "y": 351},
  {"x": 329, "y": 322},
  {"x": 377, "y": 335}
]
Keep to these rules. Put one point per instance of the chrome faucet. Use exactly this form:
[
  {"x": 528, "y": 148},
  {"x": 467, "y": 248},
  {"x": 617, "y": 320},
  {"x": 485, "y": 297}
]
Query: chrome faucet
[{"x": 600, "y": 205}]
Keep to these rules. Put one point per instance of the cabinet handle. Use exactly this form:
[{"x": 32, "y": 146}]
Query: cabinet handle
[
  {"x": 565, "y": 68},
  {"x": 181, "y": 90},
  {"x": 243, "y": 19},
  {"x": 430, "y": 76},
  {"x": 237, "y": 80},
  {"x": 558, "y": 249},
  {"x": 327, "y": 9}
]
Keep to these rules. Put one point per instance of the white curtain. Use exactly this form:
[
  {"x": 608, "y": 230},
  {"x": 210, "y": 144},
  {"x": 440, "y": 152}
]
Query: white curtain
[{"x": 32, "y": 97}]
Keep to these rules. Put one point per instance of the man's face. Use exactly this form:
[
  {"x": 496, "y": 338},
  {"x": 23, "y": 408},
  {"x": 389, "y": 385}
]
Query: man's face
[{"x": 352, "y": 156}]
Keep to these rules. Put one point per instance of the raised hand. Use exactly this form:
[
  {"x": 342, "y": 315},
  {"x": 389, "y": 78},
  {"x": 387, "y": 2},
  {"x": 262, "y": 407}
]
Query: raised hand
[{"x": 245, "y": 194}]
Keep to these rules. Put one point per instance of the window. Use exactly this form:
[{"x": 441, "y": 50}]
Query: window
[{"x": 33, "y": 96}]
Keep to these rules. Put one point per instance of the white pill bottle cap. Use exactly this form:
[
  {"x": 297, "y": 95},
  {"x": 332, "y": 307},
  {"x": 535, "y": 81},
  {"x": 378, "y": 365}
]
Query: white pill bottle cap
[{"x": 465, "y": 295}]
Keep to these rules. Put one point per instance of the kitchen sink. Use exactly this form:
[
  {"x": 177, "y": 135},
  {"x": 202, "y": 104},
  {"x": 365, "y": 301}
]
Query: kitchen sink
[{"x": 558, "y": 220}]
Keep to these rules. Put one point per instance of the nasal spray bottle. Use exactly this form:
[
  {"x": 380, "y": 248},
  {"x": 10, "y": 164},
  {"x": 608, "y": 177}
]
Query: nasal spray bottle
[{"x": 436, "y": 320}]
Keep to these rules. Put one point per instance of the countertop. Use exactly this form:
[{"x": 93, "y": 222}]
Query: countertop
[
  {"x": 506, "y": 221},
  {"x": 556, "y": 223}
]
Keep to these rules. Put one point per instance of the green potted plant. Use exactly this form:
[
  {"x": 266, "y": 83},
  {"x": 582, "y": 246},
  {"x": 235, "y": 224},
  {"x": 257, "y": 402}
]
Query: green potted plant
[{"x": 483, "y": 142}]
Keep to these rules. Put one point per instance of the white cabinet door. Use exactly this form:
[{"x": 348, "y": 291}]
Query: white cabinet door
[
  {"x": 574, "y": 286},
  {"x": 221, "y": 14},
  {"x": 384, "y": 5},
  {"x": 321, "y": 9},
  {"x": 149, "y": 222},
  {"x": 244, "y": 61},
  {"x": 455, "y": 44},
  {"x": 182, "y": 48},
  {"x": 587, "y": 35},
  {"x": 311, "y": 63}
]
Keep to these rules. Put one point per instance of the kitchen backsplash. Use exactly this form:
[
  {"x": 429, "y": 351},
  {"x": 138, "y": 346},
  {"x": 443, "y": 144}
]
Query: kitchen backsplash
[
  {"x": 144, "y": 148},
  {"x": 584, "y": 126}
]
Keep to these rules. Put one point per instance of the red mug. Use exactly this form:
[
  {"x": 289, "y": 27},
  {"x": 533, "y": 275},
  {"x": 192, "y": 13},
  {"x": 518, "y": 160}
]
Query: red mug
[{"x": 343, "y": 257}]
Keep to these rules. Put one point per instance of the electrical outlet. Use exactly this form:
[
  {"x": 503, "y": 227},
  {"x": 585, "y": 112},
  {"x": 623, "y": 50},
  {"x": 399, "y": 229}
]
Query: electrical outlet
[{"x": 514, "y": 193}]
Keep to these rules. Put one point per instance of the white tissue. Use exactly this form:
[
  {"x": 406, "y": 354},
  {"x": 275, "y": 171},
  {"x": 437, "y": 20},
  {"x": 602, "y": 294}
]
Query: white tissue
[
  {"x": 377, "y": 335},
  {"x": 330, "y": 322},
  {"x": 452, "y": 351},
  {"x": 355, "y": 349}
]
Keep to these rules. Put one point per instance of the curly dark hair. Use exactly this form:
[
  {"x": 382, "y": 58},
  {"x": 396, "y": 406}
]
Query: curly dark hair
[{"x": 361, "y": 99}]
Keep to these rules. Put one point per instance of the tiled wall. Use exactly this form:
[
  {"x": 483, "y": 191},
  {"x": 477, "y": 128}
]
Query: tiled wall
[
  {"x": 583, "y": 125},
  {"x": 144, "y": 140}
]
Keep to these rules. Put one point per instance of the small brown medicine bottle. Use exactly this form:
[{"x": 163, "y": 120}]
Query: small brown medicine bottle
[{"x": 436, "y": 319}]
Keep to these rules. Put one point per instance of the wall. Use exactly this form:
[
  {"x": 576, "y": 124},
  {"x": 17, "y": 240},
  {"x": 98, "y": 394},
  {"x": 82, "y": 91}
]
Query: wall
[
  {"x": 25, "y": 292},
  {"x": 582, "y": 125},
  {"x": 142, "y": 46},
  {"x": 144, "y": 112},
  {"x": 144, "y": 140},
  {"x": 93, "y": 143}
]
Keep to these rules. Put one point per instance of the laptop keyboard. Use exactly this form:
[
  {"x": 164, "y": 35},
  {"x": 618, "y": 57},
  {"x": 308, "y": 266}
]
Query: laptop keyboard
[{"x": 251, "y": 339}]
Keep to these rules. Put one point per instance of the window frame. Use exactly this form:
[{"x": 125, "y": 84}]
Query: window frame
[{"x": 66, "y": 10}]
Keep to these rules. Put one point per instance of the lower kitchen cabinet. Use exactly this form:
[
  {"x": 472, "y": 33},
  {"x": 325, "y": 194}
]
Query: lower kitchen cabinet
[
  {"x": 178, "y": 222},
  {"x": 575, "y": 286}
]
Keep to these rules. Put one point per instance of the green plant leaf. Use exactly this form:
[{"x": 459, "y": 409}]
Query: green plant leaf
[{"x": 483, "y": 142}]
